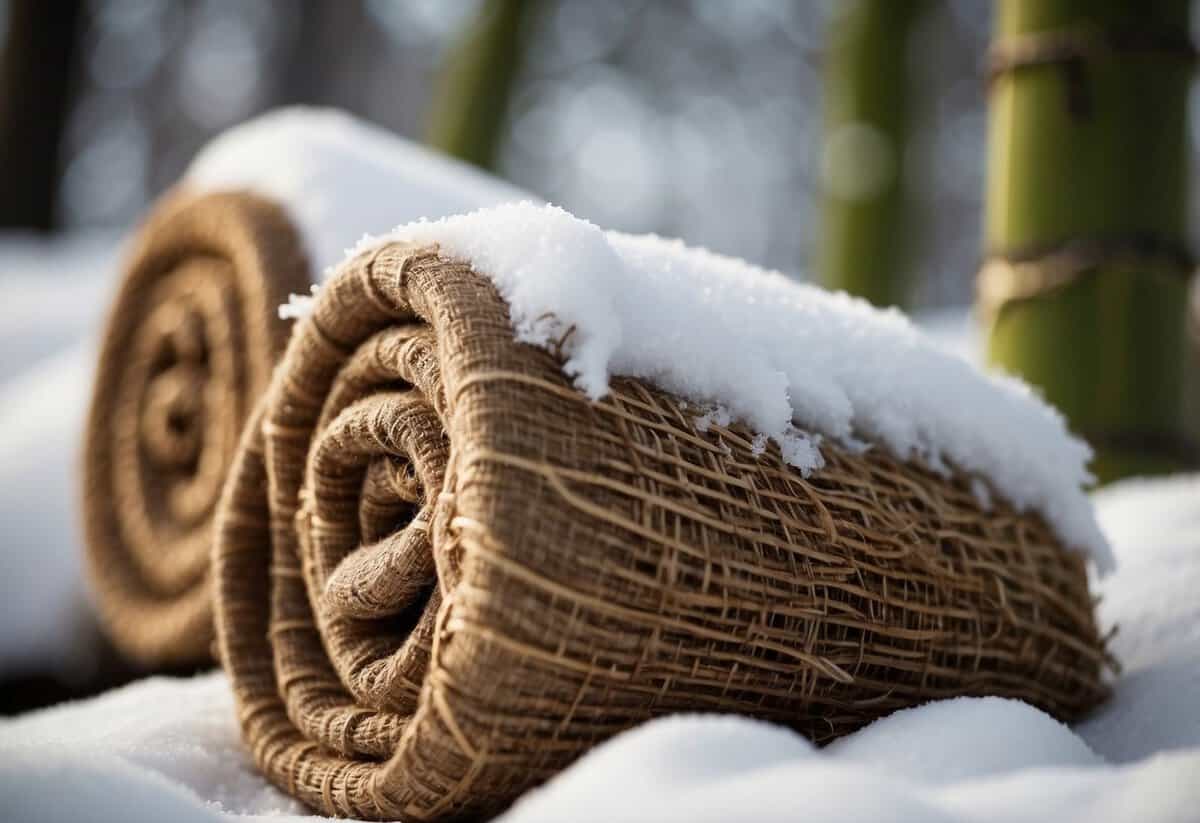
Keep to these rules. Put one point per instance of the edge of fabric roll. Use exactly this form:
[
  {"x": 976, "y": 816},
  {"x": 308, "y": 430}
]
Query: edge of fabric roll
[
  {"x": 442, "y": 573},
  {"x": 188, "y": 347}
]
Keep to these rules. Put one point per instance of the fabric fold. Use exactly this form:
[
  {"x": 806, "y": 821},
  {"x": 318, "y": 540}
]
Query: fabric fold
[
  {"x": 188, "y": 349},
  {"x": 442, "y": 573}
]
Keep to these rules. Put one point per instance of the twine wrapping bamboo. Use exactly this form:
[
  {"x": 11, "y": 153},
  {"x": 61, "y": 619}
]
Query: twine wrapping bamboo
[
  {"x": 442, "y": 573},
  {"x": 188, "y": 349}
]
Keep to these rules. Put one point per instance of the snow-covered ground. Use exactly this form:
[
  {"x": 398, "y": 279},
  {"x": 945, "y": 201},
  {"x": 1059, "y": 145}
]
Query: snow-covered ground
[
  {"x": 45, "y": 619},
  {"x": 165, "y": 749},
  {"x": 54, "y": 295},
  {"x": 54, "y": 291}
]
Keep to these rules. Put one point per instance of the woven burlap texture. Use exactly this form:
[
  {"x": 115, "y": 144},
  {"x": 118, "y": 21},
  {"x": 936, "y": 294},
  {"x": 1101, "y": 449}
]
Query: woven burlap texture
[
  {"x": 442, "y": 573},
  {"x": 190, "y": 343}
]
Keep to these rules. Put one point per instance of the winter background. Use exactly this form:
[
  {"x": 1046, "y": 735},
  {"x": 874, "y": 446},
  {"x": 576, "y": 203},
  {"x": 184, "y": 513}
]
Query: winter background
[{"x": 716, "y": 143}]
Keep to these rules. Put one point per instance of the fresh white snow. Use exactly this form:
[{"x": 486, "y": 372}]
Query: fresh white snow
[
  {"x": 45, "y": 621},
  {"x": 55, "y": 293},
  {"x": 340, "y": 178},
  {"x": 702, "y": 769},
  {"x": 55, "y": 296},
  {"x": 159, "y": 750},
  {"x": 955, "y": 329},
  {"x": 795, "y": 362},
  {"x": 1154, "y": 601}
]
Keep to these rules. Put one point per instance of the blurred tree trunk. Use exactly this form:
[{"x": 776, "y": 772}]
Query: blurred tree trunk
[
  {"x": 36, "y": 77},
  {"x": 862, "y": 240},
  {"x": 472, "y": 94},
  {"x": 1086, "y": 276}
]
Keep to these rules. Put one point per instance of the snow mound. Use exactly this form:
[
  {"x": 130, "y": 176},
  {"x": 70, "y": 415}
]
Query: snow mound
[
  {"x": 977, "y": 737},
  {"x": 339, "y": 177},
  {"x": 45, "y": 622},
  {"x": 77, "y": 787},
  {"x": 172, "y": 743},
  {"x": 1154, "y": 526},
  {"x": 795, "y": 362},
  {"x": 54, "y": 290},
  {"x": 674, "y": 770}
]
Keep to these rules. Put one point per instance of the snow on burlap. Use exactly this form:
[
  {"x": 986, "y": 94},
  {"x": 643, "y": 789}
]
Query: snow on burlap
[
  {"x": 340, "y": 178},
  {"x": 795, "y": 362}
]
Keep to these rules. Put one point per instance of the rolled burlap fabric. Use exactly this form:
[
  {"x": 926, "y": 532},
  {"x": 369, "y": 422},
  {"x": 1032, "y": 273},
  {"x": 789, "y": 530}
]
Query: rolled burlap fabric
[
  {"x": 194, "y": 334},
  {"x": 442, "y": 572},
  {"x": 188, "y": 349}
]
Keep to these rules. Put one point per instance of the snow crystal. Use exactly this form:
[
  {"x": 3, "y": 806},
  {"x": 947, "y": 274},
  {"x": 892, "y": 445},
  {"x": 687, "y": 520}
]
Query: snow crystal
[
  {"x": 981, "y": 493},
  {"x": 339, "y": 177},
  {"x": 791, "y": 360},
  {"x": 716, "y": 416},
  {"x": 299, "y": 305}
]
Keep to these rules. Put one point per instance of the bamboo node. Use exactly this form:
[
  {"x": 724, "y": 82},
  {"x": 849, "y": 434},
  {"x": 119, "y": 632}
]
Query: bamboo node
[
  {"x": 1071, "y": 49},
  {"x": 1006, "y": 278}
]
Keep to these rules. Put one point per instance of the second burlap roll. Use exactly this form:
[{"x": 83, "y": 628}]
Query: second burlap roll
[
  {"x": 442, "y": 573},
  {"x": 190, "y": 343}
]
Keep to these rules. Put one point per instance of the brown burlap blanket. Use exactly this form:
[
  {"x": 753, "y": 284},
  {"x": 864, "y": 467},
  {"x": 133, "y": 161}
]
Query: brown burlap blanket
[
  {"x": 189, "y": 347},
  {"x": 442, "y": 573}
]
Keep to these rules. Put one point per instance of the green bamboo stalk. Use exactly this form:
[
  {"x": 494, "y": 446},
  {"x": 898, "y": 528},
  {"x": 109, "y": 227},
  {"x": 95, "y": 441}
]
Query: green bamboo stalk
[
  {"x": 473, "y": 90},
  {"x": 1091, "y": 153},
  {"x": 866, "y": 128}
]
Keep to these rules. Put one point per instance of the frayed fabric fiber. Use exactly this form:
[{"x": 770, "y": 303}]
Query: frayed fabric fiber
[
  {"x": 442, "y": 573},
  {"x": 188, "y": 349}
]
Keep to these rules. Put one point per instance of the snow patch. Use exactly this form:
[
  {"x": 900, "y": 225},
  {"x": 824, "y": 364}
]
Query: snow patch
[{"x": 1154, "y": 526}]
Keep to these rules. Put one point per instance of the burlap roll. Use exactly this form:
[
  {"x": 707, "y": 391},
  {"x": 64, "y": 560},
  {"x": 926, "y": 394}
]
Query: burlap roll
[
  {"x": 442, "y": 573},
  {"x": 188, "y": 349}
]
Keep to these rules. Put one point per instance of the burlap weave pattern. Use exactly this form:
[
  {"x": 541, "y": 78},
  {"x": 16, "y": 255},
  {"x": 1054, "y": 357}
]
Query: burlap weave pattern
[
  {"x": 189, "y": 347},
  {"x": 442, "y": 573}
]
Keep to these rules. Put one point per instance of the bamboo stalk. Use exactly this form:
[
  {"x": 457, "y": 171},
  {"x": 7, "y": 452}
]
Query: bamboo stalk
[
  {"x": 473, "y": 90},
  {"x": 862, "y": 249},
  {"x": 1087, "y": 196}
]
